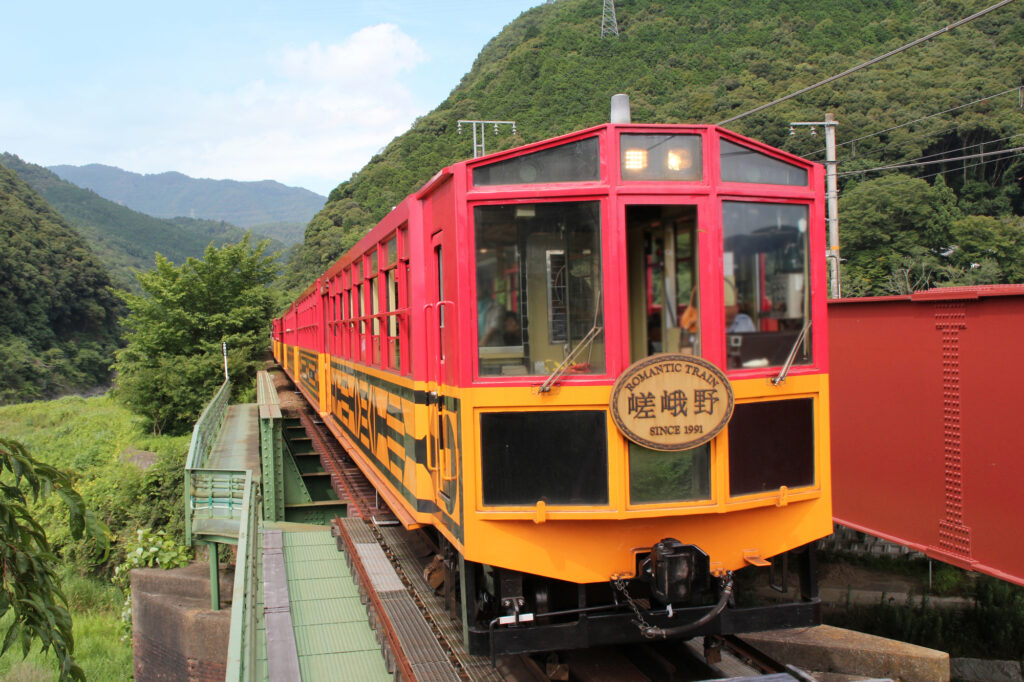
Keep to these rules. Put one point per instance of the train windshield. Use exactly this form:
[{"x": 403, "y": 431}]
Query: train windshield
[
  {"x": 538, "y": 280},
  {"x": 767, "y": 297}
]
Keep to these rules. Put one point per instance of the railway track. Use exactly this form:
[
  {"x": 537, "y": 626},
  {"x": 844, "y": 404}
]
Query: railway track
[{"x": 655, "y": 662}]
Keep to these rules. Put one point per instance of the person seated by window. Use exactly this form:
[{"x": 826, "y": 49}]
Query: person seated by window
[
  {"x": 741, "y": 324},
  {"x": 512, "y": 334},
  {"x": 490, "y": 315}
]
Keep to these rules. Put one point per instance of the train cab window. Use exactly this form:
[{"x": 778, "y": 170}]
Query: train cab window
[
  {"x": 572, "y": 162},
  {"x": 766, "y": 290},
  {"x": 742, "y": 164},
  {"x": 661, "y": 157},
  {"x": 538, "y": 275}
]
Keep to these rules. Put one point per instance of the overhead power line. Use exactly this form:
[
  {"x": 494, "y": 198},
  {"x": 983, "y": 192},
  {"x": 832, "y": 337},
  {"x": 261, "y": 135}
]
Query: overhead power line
[
  {"x": 991, "y": 154},
  {"x": 925, "y": 118},
  {"x": 1018, "y": 89},
  {"x": 963, "y": 168},
  {"x": 979, "y": 145},
  {"x": 870, "y": 62}
]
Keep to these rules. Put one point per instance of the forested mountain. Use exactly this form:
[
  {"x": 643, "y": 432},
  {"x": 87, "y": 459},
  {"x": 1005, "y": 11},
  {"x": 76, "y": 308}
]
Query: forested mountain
[
  {"x": 123, "y": 239},
  {"x": 58, "y": 317},
  {"x": 704, "y": 61},
  {"x": 272, "y": 208}
]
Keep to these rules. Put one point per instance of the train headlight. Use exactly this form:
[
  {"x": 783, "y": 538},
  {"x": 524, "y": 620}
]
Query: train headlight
[
  {"x": 635, "y": 159},
  {"x": 678, "y": 159}
]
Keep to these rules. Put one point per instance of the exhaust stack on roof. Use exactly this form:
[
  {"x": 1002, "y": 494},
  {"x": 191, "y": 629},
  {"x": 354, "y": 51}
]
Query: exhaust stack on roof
[{"x": 620, "y": 109}]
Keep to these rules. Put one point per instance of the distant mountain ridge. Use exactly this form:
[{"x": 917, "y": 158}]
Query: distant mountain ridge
[
  {"x": 124, "y": 240},
  {"x": 173, "y": 194}
]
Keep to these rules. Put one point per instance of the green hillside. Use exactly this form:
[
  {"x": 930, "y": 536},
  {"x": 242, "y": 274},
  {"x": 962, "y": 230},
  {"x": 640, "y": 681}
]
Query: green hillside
[
  {"x": 705, "y": 61},
  {"x": 123, "y": 239},
  {"x": 58, "y": 317},
  {"x": 273, "y": 207}
]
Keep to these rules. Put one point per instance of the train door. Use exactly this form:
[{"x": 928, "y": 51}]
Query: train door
[
  {"x": 664, "y": 296},
  {"x": 442, "y": 445},
  {"x": 664, "y": 305}
]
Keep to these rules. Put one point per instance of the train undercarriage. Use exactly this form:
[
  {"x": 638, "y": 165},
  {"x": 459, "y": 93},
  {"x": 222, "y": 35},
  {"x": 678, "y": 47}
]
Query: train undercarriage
[{"x": 673, "y": 597}]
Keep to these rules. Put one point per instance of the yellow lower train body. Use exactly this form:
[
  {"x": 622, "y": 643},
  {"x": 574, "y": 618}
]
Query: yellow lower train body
[{"x": 432, "y": 478}]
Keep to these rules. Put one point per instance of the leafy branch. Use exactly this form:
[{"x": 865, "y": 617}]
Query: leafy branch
[{"x": 28, "y": 583}]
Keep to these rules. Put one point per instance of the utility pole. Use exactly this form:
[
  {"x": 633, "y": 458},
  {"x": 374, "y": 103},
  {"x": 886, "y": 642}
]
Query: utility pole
[
  {"x": 831, "y": 196},
  {"x": 479, "y": 148},
  {"x": 609, "y": 27}
]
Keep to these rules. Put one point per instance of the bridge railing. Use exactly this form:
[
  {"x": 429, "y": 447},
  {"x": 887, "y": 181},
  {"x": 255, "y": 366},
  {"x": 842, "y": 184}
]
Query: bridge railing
[
  {"x": 218, "y": 491},
  {"x": 242, "y": 648},
  {"x": 271, "y": 447}
]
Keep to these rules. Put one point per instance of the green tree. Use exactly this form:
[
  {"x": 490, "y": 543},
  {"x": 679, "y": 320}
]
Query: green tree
[
  {"x": 29, "y": 585},
  {"x": 58, "y": 319},
  {"x": 895, "y": 223},
  {"x": 988, "y": 250},
  {"x": 171, "y": 363}
]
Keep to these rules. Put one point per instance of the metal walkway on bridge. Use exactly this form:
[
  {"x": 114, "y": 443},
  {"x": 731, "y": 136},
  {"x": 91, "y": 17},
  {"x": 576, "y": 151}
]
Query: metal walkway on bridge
[
  {"x": 296, "y": 611},
  {"x": 315, "y": 626}
]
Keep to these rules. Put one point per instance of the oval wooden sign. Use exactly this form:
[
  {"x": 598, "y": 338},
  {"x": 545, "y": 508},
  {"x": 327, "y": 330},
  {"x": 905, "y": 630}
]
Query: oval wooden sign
[{"x": 671, "y": 401}]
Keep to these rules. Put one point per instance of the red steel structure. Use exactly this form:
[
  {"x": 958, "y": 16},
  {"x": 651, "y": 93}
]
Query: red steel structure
[{"x": 925, "y": 434}]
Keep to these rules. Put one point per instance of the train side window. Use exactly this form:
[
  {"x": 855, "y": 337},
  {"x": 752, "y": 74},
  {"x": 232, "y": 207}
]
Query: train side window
[
  {"x": 375, "y": 335},
  {"x": 392, "y": 341},
  {"x": 346, "y": 313},
  {"x": 361, "y": 303},
  {"x": 538, "y": 276},
  {"x": 571, "y": 162},
  {"x": 766, "y": 288},
  {"x": 742, "y": 164}
]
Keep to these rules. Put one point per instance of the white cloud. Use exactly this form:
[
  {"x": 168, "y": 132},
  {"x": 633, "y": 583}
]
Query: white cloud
[
  {"x": 369, "y": 55},
  {"x": 314, "y": 117}
]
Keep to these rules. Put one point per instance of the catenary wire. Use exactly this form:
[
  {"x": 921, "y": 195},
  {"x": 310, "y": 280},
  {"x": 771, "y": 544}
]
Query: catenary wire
[
  {"x": 963, "y": 168},
  {"x": 923, "y": 118},
  {"x": 993, "y": 154},
  {"x": 964, "y": 148}
]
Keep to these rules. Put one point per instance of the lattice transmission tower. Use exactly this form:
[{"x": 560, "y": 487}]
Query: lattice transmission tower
[{"x": 609, "y": 27}]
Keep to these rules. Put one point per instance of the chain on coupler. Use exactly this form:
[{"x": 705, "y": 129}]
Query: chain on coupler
[{"x": 641, "y": 623}]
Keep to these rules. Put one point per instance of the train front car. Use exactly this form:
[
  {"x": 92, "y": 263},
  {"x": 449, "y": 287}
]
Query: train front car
[
  {"x": 629, "y": 286},
  {"x": 597, "y": 366}
]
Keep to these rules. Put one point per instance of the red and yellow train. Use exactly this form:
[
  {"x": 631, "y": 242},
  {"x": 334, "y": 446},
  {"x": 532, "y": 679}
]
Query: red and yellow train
[{"x": 596, "y": 365}]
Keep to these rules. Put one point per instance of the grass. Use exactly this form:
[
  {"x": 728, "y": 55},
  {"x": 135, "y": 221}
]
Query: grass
[
  {"x": 90, "y": 437},
  {"x": 96, "y": 618}
]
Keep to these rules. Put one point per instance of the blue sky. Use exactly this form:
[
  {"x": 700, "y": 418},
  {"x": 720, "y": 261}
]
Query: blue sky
[{"x": 301, "y": 92}]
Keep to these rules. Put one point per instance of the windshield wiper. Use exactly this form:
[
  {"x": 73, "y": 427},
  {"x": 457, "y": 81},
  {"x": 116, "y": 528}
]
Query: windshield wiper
[
  {"x": 571, "y": 357},
  {"x": 776, "y": 380}
]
